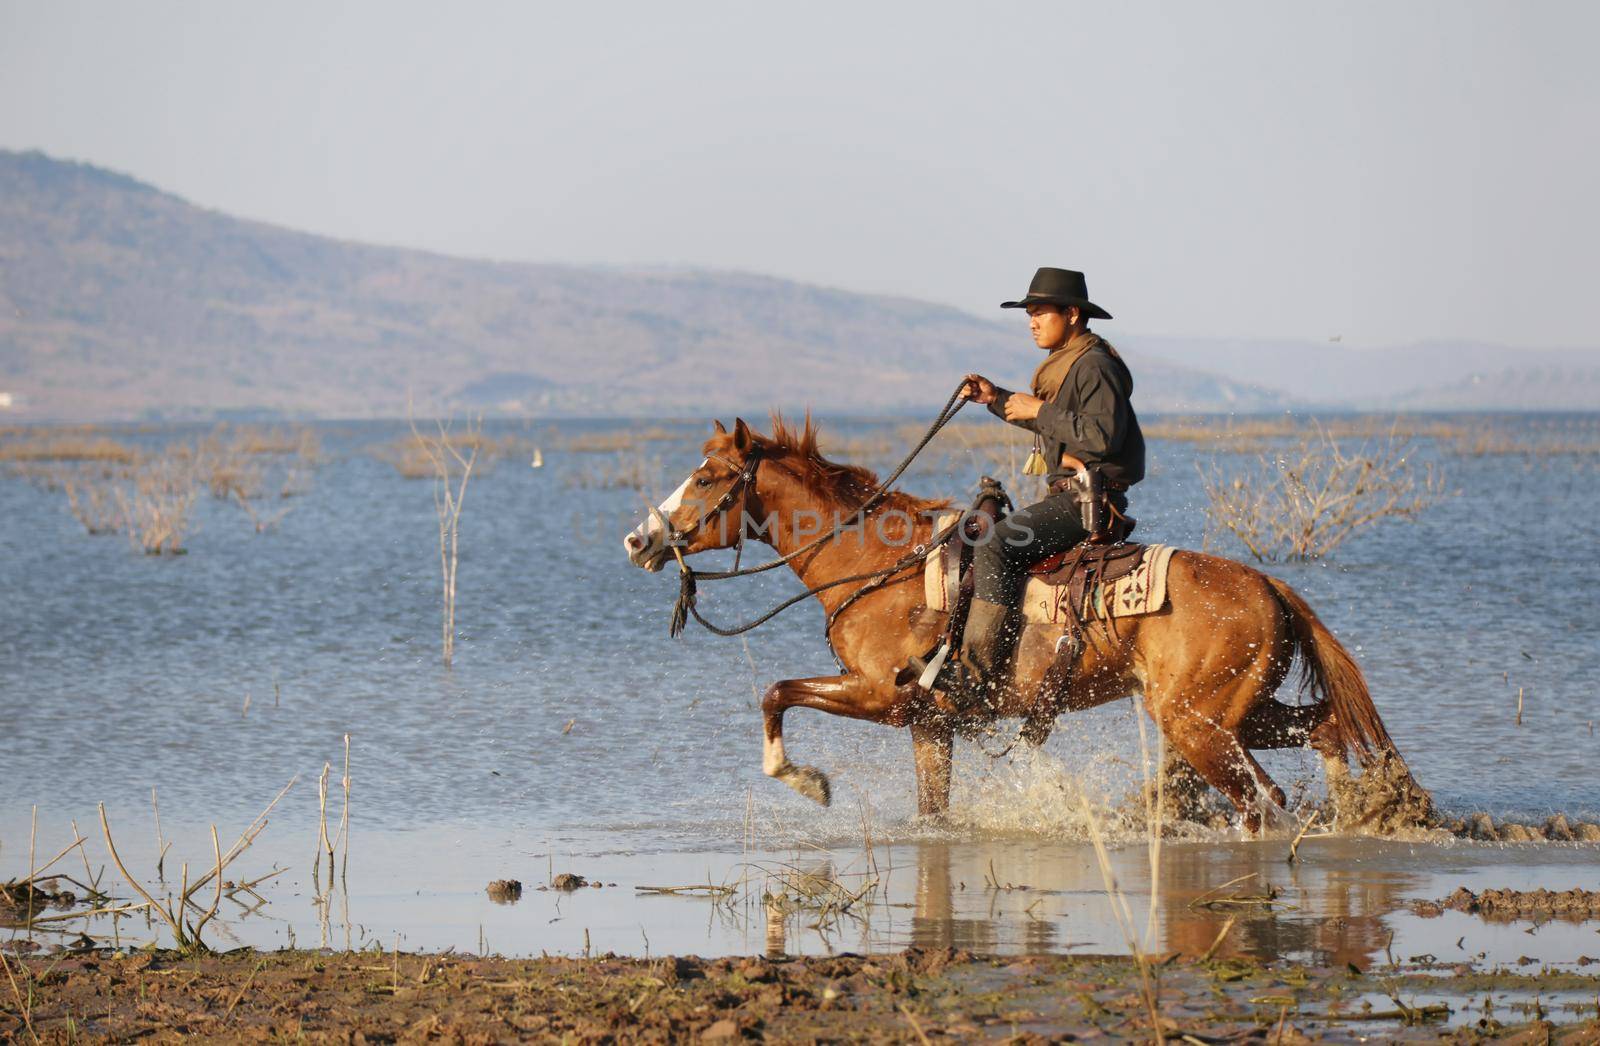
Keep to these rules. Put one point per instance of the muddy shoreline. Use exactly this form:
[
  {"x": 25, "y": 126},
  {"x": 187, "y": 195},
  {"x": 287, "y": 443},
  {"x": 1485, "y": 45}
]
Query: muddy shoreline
[{"x": 911, "y": 996}]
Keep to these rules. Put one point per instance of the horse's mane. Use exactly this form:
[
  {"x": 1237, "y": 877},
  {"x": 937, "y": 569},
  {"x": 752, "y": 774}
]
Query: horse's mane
[{"x": 836, "y": 481}]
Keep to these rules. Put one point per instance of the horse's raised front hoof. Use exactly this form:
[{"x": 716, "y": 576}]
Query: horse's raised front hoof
[{"x": 810, "y": 782}]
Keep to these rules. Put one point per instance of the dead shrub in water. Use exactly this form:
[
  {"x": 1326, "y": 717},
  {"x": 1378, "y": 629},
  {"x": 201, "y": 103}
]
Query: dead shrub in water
[
  {"x": 242, "y": 481},
  {"x": 150, "y": 496},
  {"x": 962, "y": 449},
  {"x": 93, "y": 503},
  {"x": 451, "y": 455},
  {"x": 234, "y": 478},
  {"x": 157, "y": 505},
  {"x": 1306, "y": 501},
  {"x": 408, "y": 458},
  {"x": 231, "y": 462},
  {"x": 1221, "y": 433}
]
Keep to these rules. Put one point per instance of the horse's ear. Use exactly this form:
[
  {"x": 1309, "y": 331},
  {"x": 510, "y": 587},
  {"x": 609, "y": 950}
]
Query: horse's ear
[
  {"x": 718, "y": 427},
  {"x": 741, "y": 435}
]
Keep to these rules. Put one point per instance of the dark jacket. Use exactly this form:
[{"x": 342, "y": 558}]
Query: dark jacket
[{"x": 1091, "y": 418}]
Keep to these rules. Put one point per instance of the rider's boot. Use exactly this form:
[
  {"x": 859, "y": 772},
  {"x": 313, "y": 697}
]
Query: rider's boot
[{"x": 973, "y": 678}]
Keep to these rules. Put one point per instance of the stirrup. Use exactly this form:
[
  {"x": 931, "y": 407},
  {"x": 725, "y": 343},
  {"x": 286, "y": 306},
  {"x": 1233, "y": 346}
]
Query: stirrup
[
  {"x": 930, "y": 667},
  {"x": 949, "y": 681}
]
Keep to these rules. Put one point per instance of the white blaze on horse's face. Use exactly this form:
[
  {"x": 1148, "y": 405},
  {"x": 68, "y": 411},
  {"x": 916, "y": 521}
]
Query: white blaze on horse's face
[{"x": 646, "y": 544}]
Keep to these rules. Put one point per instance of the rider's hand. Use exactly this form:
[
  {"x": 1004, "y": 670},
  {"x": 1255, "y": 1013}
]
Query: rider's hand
[
  {"x": 978, "y": 388},
  {"x": 1022, "y": 407}
]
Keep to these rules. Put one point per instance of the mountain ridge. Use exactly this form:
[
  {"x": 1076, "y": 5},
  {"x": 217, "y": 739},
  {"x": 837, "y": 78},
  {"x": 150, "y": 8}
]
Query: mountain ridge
[
  {"x": 120, "y": 300},
  {"x": 1434, "y": 374}
]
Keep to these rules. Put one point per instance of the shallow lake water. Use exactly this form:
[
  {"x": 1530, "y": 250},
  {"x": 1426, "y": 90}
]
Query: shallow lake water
[{"x": 572, "y": 734}]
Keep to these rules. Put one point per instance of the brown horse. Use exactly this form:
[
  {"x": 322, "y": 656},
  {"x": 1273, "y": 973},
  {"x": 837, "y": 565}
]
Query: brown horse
[{"x": 1207, "y": 664}]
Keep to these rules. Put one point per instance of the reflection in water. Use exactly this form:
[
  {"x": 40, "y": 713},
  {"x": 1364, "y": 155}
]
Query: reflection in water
[
  {"x": 1345, "y": 901},
  {"x": 1050, "y": 898},
  {"x": 1329, "y": 913},
  {"x": 939, "y": 923}
]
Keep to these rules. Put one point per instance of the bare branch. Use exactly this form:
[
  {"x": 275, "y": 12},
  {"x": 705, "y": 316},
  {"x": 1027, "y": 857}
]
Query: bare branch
[{"x": 1304, "y": 501}]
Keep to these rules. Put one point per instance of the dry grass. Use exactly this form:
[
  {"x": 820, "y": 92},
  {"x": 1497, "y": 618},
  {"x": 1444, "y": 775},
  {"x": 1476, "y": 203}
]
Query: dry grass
[
  {"x": 980, "y": 446},
  {"x": 625, "y": 440},
  {"x": 1001, "y": 458},
  {"x": 1306, "y": 501},
  {"x": 301, "y": 441},
  {"x": 175, "y": 910},
  {"x": 185, "y": 931},
  {"x": 1149, "y": 972},
  {"x": 627, "y": 470},
  {"x": 62, "y": 446},
  {"x": 818, "y": 894},
  {"x": 1462, "y": 436},
  {"x": 1531, "y": 440},
  {"x": 412, "y": 455},
  {"x": 1244, "y": 434},
  {"x": 329, "y": 844}
]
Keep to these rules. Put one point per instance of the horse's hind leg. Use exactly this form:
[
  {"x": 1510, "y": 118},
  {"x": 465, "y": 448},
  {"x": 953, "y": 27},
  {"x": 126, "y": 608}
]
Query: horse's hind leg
[
  {"x": 840, "y": 695},
  {"x": 1183, "y": 789},
  {"x": 1273, "y": 724},
  {"x": 1219, "y": 756}
]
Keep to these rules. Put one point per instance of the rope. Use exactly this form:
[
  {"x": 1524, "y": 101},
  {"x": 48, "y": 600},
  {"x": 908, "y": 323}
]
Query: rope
[
  {"x": 688, "y": 577},
  {"x": 939, "y": 422}
]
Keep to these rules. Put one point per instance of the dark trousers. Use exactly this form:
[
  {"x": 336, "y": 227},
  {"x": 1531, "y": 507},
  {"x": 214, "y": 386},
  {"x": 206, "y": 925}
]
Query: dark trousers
[{"x": 1028, "y": 535}]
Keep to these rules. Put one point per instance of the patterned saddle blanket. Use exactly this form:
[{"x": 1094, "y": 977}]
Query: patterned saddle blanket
[{"x": 1113, "y": 581}]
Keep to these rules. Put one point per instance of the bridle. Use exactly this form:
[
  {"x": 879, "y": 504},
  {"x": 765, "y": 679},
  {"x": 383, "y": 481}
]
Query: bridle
[
  {"x": 684, "y": 607},
  {"x": 745, "y": 476}
]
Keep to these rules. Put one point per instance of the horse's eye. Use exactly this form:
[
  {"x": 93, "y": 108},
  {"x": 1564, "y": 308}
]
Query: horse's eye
[{"x": 703, "y": 481}]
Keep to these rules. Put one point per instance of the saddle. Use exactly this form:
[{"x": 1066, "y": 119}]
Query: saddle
[
  {"x": 1104, "y": 557},
  {"x": 1072, "y": 573},
  {"x": 1103, "y": 578},
  {"x": 1083, "y": 566}
]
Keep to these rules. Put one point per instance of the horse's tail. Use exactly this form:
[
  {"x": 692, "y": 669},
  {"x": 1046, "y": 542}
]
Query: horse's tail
[{"x": 1328, "y": 670}]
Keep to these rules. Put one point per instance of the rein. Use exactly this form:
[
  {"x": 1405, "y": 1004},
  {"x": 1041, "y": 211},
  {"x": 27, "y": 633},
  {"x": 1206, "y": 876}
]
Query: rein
[{"x": 688, "y": 577}]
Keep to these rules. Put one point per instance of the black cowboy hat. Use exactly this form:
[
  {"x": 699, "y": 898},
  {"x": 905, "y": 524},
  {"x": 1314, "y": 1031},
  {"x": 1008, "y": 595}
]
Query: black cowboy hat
[{"x": 1061, "y": 287}]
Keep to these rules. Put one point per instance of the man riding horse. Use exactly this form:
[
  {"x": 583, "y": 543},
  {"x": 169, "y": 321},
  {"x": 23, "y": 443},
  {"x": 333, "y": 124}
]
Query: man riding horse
[
  {"x": 1207, "y": 659},
  {"x": 1086, "y": 441}
]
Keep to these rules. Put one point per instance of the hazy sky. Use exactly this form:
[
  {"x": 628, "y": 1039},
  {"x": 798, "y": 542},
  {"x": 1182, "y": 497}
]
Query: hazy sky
[{"x": 1386, "y": 171}]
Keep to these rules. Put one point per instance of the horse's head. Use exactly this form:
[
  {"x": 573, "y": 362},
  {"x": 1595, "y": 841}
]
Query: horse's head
[{"x": 705, "y": 511}]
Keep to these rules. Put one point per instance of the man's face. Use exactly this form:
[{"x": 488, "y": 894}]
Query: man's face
[{"x": 1050, "y": 325}]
